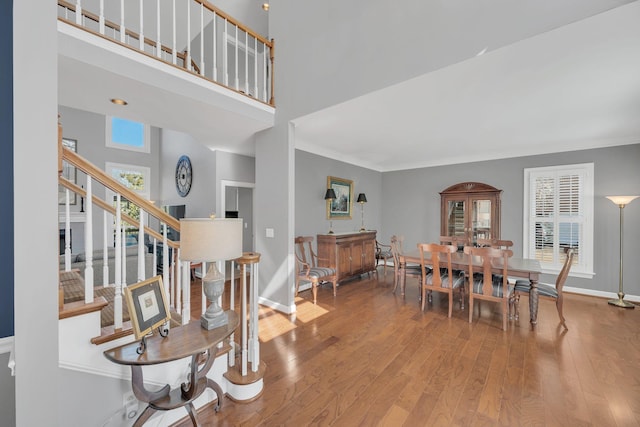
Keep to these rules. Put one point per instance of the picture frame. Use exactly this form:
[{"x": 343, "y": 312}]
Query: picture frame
[
  {"x": 342, "y": 206},
  {"x": 69, "y": 172},
  {"x": 147, "y": 304}
]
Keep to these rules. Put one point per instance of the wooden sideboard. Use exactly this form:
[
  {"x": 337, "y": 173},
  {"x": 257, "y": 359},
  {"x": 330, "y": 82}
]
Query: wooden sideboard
[{"x": 351, "y": 254}]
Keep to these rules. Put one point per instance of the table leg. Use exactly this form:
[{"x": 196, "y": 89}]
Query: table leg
[
  {"x": 192, "y": 414},
  {"x": 218, "y": 390},
  {"x": 144, "y": 416},
  {"x": 533, "y": 301}
]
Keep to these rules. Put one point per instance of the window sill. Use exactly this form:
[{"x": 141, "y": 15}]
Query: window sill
[{"x": 580, "y": 274}]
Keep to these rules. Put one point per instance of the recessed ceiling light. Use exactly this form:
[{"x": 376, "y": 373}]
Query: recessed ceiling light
[
  {"x": 265, "y": 6},
  {"x": 119, "y": 101}
]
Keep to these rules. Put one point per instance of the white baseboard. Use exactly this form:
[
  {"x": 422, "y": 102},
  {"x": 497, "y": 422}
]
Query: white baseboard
[
  {"x": 600, "y": 294},
  {"x": 6, "y": 345},
  {"x": 277, "y": 306}
]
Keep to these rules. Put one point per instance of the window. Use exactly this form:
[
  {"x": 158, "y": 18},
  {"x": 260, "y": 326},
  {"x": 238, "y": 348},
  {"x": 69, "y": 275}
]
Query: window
[
  {"x": 135, "y": 178},
  {"x": 127, "y": 135},
  {"x": 558, "y": 213}
]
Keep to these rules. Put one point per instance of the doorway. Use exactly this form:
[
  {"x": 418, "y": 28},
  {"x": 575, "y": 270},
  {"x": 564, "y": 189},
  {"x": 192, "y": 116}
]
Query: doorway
[{"x": 237, "y": 202}]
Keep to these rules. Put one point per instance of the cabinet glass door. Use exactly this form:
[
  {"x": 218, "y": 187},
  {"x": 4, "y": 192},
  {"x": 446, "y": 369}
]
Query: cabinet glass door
[
  {"x": 455, "y": 218},
  {"x": 480, "y": 220}
]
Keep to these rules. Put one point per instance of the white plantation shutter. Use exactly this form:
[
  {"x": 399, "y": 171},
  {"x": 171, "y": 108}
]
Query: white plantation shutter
[{"x": 558, "y": 213}]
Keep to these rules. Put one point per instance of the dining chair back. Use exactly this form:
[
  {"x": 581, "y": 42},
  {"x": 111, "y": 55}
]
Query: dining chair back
[
  {"x": 494, "y": 243},
  {"x": 311, "y": 268},
  {"x": 412, "y": 270},
  {"x": 383, "y": 253},
  {"x": 458, "y": 241},
  {"x": 440, "y": 277},
  {"x": 484, "y": 284},
  {"x": 545, "y": 291}
]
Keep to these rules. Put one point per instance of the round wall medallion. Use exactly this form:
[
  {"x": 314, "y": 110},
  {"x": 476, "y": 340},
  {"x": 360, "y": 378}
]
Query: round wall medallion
[{"x": 184, "y": 176}]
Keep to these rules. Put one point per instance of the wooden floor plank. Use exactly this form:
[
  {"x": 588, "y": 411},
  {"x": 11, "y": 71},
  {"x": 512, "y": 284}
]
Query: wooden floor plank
[{"x": 371, "y": 357}]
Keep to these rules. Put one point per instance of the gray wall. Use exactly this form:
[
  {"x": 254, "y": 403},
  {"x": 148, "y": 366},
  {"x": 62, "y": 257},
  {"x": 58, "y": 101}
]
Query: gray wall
[
  {"x": 311, "y": 183},
  {"x": 89, "y": 130},
  {"x": 7, "y": 393},
  {"x": 412, "y": 206}
]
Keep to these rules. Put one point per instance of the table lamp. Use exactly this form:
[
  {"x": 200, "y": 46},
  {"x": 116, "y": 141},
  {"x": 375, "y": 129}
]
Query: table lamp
[
  {"x": 330, "y": 196},
  {"x": 621, "y": 201},
  {"x": 210, "y": 240},
  {"x": 362, "y": 199}
]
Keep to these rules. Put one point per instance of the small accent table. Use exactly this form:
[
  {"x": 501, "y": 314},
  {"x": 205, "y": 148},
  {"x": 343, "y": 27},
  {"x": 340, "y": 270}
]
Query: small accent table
[{"x": 189, "y": 340}]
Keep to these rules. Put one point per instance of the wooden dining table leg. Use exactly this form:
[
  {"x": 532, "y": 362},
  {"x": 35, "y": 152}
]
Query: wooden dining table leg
[{"x": 533, "y": 302}]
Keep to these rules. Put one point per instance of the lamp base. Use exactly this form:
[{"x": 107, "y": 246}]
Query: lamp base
[
  {"x": 620, "y": 302},
  {"x": 209, "y": 323}
]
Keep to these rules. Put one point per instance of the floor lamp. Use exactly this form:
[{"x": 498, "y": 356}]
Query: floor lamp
[
  {"x": 621, "y": 201},
  {"x": 330, "y": 196}
]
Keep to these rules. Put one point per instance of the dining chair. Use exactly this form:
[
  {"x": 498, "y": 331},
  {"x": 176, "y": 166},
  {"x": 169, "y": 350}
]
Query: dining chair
[
  {"x": 458, "y": 241},
  {"x": 485, "y": 285},
  {"x": 412, "y": 270},
  {"x": 310, "y": 268},
  {"x": 494, "y": 243},
  {"x": 383, "y": 253},
  {"x": 439, "y": 279},
  {"x": 546, "y": 291}
]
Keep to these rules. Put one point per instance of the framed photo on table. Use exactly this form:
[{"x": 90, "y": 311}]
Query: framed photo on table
[
  {"x": 342, "y": 206},
  {"x": 147, "y": 304},
  {"x": 69, "y": 172}
]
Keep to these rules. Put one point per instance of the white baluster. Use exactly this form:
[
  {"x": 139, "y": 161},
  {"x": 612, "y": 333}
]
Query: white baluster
[
  {"x": 67, "y": 233},
  {"x": 117, "y": 299},
  {"x": 141, "y": 41},
  {"x": 215, "y": 49},
  {"x": 174, "y": 57},
  {"x": 232, "y": 293},
  {"x": 243, "y": 320},
  {"x": 155, "y": 257},
  {"x": 158, "y": 43},
  {"x": 187, "y": 58},
  {"x": 237, "y": 76},
  {"x": 141, "y": 248},
  {"x": 177, "y": 281},
  {"x": 225, "y": 54},
  {"x": 101, "y": 17},
  {"x": 105, "y": 250},
  {"x": 264, "y": 74},
  {"x": 78, "y": 12},
  {"x": 123, "y": 32},
  {"x": 246, "y": 63},
  {"x": 165, "y": 260},
  {"x": 123, "y": 254},
  {"x": 255, "y": 67},
  {"x": 255, "y": 338},
  {"x": 186, "y": 292},
  {"x": 88, "y": 245},
  {"x": 202, "y": 39}
]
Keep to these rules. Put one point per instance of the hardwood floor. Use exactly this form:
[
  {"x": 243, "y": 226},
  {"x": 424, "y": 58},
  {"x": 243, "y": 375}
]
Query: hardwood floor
[{"x": 369, "y": 357}]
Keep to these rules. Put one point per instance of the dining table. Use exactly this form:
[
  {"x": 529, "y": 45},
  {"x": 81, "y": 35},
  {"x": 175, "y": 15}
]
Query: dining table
[{"x": 516, "y": 267}]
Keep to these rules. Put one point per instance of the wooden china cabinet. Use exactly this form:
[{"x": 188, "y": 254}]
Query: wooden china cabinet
[{"x": 470, "y": 210}]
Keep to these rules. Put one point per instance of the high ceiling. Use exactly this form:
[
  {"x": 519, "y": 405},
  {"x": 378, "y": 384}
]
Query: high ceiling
[{"x": 575, "y": 87}]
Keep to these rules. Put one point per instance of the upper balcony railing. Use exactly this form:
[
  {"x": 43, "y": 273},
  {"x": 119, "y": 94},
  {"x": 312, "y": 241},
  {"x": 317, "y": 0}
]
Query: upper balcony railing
[{"x": 191, "y": 34}]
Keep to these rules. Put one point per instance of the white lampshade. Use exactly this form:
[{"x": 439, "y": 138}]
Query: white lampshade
[
  {"x": 622, "y": 200},
  {"x": 206, "y": 240}
]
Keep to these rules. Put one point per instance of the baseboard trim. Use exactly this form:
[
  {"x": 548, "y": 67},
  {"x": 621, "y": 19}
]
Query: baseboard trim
[
  {"x": 599, "y": 294},
  {"x": 6, "y": 345},
  {"x": 277, "y": 306}
]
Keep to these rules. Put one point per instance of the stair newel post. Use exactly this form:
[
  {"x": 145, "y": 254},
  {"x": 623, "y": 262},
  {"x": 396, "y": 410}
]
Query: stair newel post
[
  {"x": 88, "y": 245},
  {"x": 105, "y": 249},
  {"x": 117, "y": 299},
  {"x": 141, "y": 247},
  {"x": 254, "y": 343},
  {"x": 67, "y": 233}
]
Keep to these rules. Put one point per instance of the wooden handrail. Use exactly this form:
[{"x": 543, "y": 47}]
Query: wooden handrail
[
  {"x": 75, "y": 160},
  {"x": 107, "y": 207},
  {"x": 234, "y": 21}
]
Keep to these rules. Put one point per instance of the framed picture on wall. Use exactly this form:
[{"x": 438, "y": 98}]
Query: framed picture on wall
[
  {"x": 342, "y": 206},
  {"x": 69, "y": 172}
]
